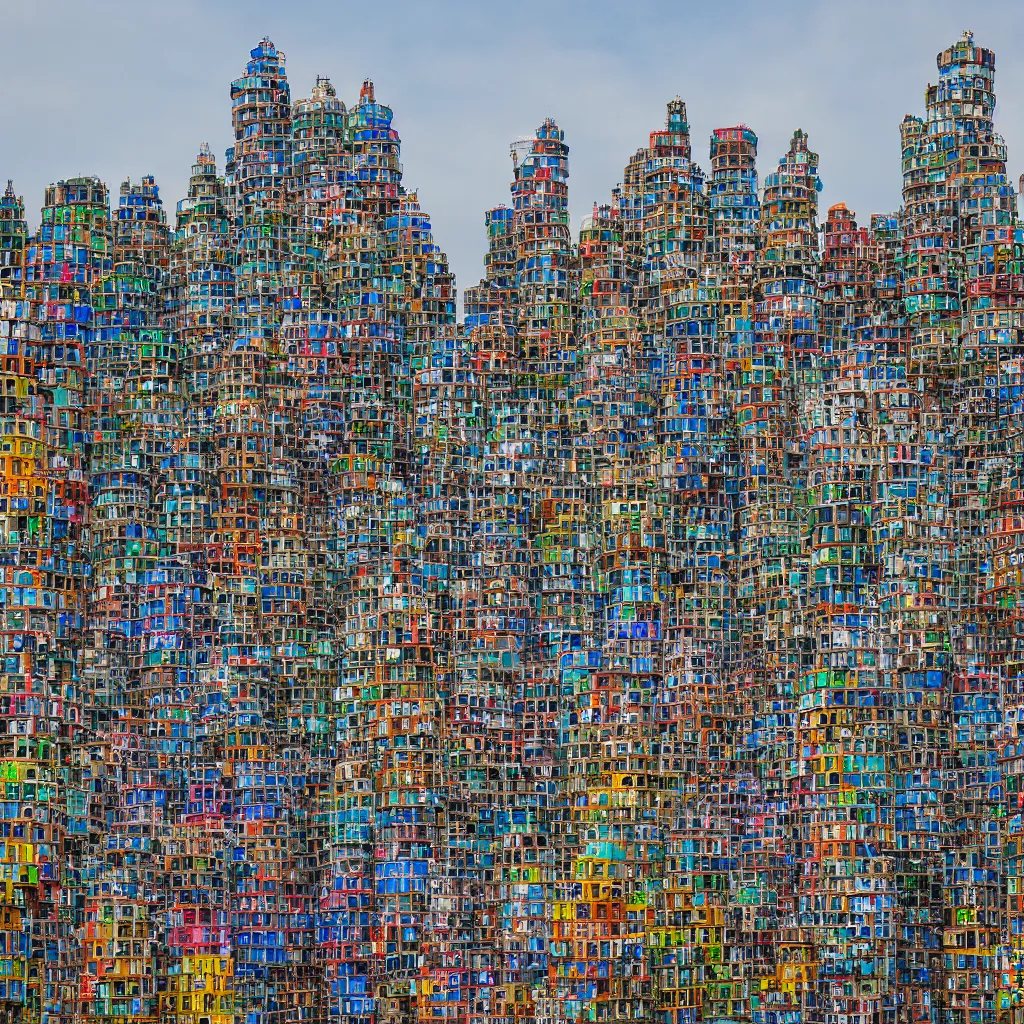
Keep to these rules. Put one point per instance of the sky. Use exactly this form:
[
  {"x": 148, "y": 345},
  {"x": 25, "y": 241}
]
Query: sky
[{"x": 122, "y": 88}]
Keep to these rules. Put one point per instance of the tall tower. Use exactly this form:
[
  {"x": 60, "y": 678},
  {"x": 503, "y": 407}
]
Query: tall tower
[
  {"x": 612, "y": 824},
  {"x": 990, "y": 289},
  {"x": 958, "y": 111},
  {"x": 842, "y": 785},
  {"x": 248, "y": 496},
  {"x": 66, "y": 262},
  {"x": 136, "y": 403},
  {"x": 198, "y": 968},
  {"x": 699, "y": 709},
  {"x": 780, "y": 357},
  {"x": 32, "y": 749}
]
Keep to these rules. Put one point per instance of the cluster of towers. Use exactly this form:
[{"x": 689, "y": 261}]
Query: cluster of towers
[{"x": 648, "y": 647}]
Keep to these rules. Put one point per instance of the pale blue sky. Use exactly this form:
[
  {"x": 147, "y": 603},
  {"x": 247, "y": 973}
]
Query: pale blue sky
[{"x": 128, "y": 87}]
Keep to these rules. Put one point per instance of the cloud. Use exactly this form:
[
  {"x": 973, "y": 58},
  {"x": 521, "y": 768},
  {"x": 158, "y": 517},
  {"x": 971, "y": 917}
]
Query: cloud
[{"x": 120, "y": 88}]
